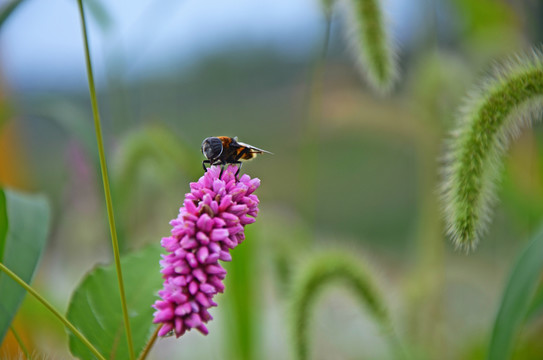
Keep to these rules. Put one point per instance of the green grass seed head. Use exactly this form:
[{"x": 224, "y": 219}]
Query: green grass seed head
[
  {"x": 321, "y": 271},
  {"x": 368, "y": 36},
  {"x": 509, "y": 99}
]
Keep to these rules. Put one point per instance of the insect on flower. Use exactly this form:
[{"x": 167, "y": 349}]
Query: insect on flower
[{"x": 223, "y": 150}]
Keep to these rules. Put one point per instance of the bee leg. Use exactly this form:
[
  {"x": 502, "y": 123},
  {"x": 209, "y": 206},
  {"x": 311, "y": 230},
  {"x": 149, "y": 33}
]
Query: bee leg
[
  {"x": 239, "y": 169},
  {"x": 204, "y": 164},
  {"x": 222, "y": 169}
]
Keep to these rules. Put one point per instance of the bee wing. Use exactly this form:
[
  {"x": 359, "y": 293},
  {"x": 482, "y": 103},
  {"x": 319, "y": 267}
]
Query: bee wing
[{"x": 254, "y": 149}]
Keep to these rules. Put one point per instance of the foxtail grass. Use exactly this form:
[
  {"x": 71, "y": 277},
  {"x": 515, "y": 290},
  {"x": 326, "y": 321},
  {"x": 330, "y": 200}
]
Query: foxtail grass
[{"x": 495, "y": 112}]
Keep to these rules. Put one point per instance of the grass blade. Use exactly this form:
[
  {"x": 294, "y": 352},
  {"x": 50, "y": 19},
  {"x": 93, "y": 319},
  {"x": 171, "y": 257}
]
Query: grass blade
[{"x": 516, "y": 298}]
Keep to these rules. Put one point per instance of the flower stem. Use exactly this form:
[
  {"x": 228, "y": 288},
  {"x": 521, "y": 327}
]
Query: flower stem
[
  {"x": 20, "y": 342},
  {"x": 150, "y": 344},
  {"x": 55, "y": 312},
  {"x": 105, "y": 180}
]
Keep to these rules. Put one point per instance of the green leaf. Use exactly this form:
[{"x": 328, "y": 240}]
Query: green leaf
[
  {"x": 518, "y": 294},
  {"x": 24, "y": 224},
  {"x": 536, "y": 308},
  {"x": 242, "y": 300},
  {"x": 95, "y": 306}
]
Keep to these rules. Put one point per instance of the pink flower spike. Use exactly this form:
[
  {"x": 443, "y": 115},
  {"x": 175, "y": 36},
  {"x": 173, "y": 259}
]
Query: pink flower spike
[{"x": 210, "y": 223}]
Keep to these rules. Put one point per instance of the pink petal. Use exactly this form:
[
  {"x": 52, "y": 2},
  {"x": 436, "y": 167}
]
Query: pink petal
[
  {"x": 204, "y": 223},
  {"x": 203, "y": 329},
  {"x": 163, "y": 315},
  {"x": 200, "y": 275},
  {"x": 219, "y": 234},
  {"x": 165, "y": 329}
]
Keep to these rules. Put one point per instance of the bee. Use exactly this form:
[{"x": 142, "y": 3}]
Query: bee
[{"x": 223, "y": 150}]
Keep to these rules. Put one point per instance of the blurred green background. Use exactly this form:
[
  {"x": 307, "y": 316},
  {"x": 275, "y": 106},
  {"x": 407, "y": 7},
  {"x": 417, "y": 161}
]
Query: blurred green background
[{"x": 350, "y": 169}]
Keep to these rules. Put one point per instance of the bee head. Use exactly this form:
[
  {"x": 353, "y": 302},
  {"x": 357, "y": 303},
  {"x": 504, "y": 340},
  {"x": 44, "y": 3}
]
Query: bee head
[{"x": 212, "y": 148}]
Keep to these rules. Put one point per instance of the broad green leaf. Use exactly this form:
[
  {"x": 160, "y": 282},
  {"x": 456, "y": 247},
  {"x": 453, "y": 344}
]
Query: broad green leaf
[
  {"x": 95, "y": 306},
  {"x": 518, "y": 295},
  {"x": 24, "y": 224}
]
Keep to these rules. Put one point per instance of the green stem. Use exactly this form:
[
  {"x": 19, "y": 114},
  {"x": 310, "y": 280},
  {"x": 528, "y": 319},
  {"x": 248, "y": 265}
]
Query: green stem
[
  {"x": 311, "y": 130},
  {"x": 105, "y": 180},
  {"x": 150, "y": 344},
  {"x": 20, "y": 342},
  {"x": 50, "y": 307}
]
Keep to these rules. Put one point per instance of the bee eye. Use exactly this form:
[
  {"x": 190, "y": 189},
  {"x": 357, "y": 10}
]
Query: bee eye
[{"x": 212, "y": 148}]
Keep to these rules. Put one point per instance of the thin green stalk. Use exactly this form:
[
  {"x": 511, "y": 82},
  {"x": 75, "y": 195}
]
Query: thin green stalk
[
  {"x": 149, "y": 344},
  {"x": 50, "y": 307},
  {"x": 105, "y": 180},
  {"x": 311, "y": 129},
  {"x": 20, "y": 342}
]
